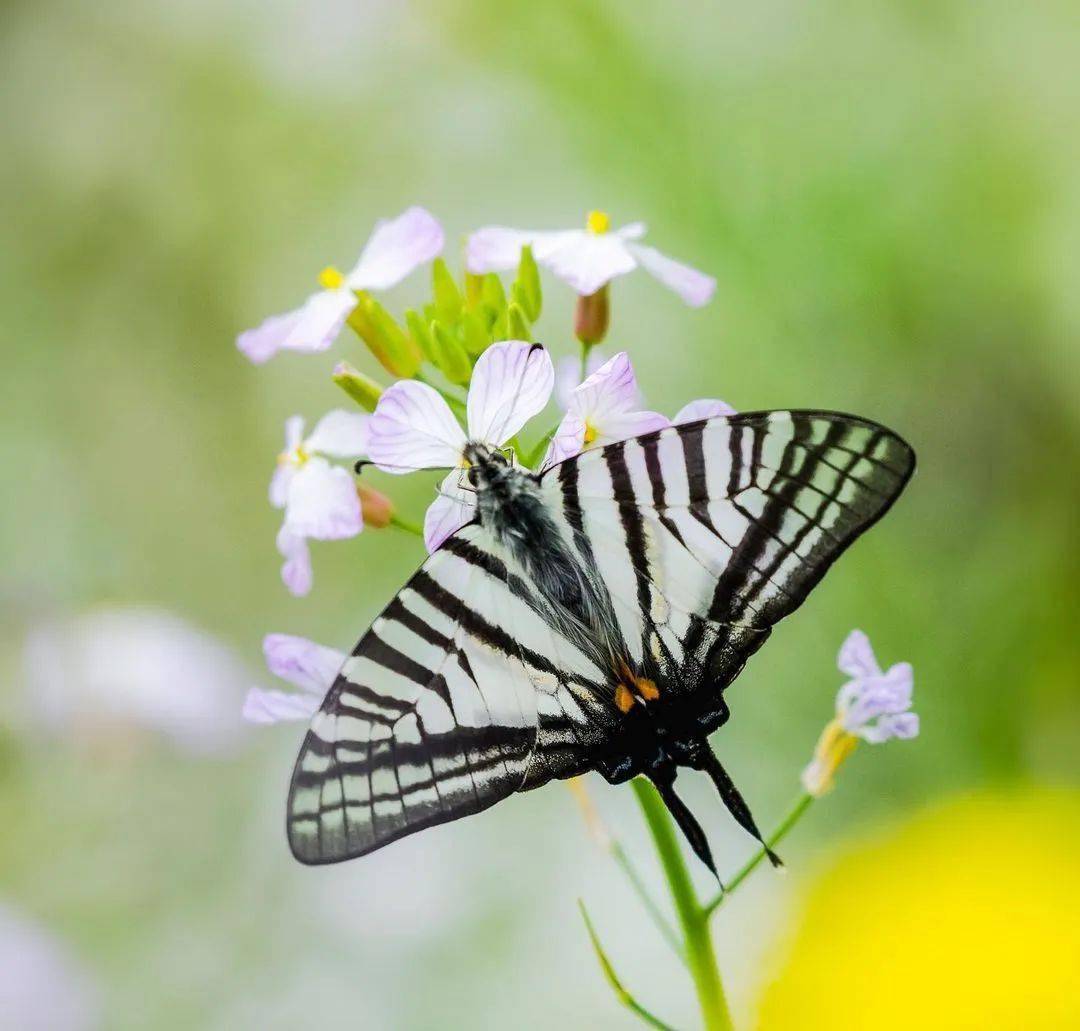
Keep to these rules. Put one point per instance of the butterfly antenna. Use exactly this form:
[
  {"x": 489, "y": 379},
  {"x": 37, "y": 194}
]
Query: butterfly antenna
[
  {"x": 665, "y": 786},
  {"x": 734, "y": 801}
]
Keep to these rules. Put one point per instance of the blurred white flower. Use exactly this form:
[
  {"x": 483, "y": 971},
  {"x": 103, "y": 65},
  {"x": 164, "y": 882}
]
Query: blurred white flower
[
  {"x": 309, "y": 666},
  {"x": 43, "y": 987},
  {"x": 395, "y": 248},
  {"x": 413, "y": 428},
  {"x": 706, "y": 408},
  {"x": 587, "y": 259},
  {"x": 320, "y": 500},
  {"x": 601, "y": 411},
  {"x": 568, "y": 374},
  {"x": 872, "y": 705},
  {"x": 140, "y": 668}
]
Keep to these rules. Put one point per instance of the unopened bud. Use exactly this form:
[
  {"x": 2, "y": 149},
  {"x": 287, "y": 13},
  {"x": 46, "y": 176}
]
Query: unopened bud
[
  {"x": 375, "y": 506},
  {"x": 450, "y": 354},
  {"x": 591, "y": 317},
  {"x": 362, "y": 389},
  {"x": 396, "y": 351}
]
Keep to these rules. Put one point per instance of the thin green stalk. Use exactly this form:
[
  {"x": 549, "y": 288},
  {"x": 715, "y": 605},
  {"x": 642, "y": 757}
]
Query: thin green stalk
[
  {"x": 793, "y": 816},
  {"x": 407, "y": 525},
  {"x": 700, "y": 955},
  {"x": 618, "y": 853},
  {"x": 585, "y": 348}
]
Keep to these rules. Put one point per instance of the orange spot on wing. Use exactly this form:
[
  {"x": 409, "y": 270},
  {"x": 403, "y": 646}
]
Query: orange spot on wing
[{"x": 623, "y": 698}]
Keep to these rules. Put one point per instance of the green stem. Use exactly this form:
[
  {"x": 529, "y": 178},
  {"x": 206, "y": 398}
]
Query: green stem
[
  {"x": 700, "y": 956},
  {"x": 793, "y": 816},
  {"x": 407, "y": 525},
  {"x": 585, "y": 348}
]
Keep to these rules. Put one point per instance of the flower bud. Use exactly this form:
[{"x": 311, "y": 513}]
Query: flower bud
[
  {"x": 450, "y": 355},
  {"x": 445, "y": 291},
  {"x": 526, "y": 287},
  {"x": 376, "y": 508},
  {"x": 519, "y": 325},
  {"x": 395, "y": 350},
  {"x": 591, "y": 317},
  {"x": 362, "y": 389}
]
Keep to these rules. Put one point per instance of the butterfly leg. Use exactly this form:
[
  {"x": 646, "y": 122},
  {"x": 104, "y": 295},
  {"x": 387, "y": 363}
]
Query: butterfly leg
[
  {"x": 664, "y": 779},
  {"x": 706, "y": 760}
]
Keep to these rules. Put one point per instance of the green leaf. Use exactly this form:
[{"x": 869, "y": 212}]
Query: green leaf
[
  {"x": 450, "y": 355},
  {"x": 527, "y": 285},
  {"x": 613, "y": 979},
  {"x": 448, "y": 301}
]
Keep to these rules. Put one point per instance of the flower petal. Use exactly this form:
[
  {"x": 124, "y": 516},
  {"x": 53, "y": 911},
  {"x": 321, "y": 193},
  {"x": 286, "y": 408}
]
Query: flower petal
[
  {"x": 611, "y": 390},
  {"x": 568, "y": 440},
  {"x": 706, "y": 408},
  {"x": 624, "y": 425},
  {"x": 632, "y": 231},
  {"x": 304, "y": 664},
  {"x": 889, "y": 694},
  {"x": 340, "y": 434},
  {"x": 511, "y": 383},
  {"x": 323, "y": 503},
  {"x": 904, "y": 725},
  {"x": 449, "y": 512},
  {"x": 587, "y": 261},
  {"x": 856, "y": 657},
  {"x": 495, "y": 248},
  {"x": 568, "y": 374},
  {"x": 694, "y": 287},
  {"x": 294, "y": 431},
  {"x": 296, "y": 569},
  {"x": 279, "y": 483},
  {"x": 262, "y": 706},
  {"x": 265, "y": 340},
  {"x": 396, "y": 247},
  {"x": 413, "y": 428}
]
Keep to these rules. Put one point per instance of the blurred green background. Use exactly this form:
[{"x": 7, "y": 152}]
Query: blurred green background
[{"x": 889, "y": 195}]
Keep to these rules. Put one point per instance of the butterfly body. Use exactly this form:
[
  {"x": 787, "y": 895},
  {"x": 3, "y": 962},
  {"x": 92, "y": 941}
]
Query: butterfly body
[{"x": 589, "y": 618}]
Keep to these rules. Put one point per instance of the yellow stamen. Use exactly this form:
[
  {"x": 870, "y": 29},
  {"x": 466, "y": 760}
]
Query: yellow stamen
[
  {"x": 833, "y": 748},
  {"x": 296, "y": 456},
  {"x": 591, "y": 432},
  {"x": 597, "y": 222},
  {"x": 331, "y": 278}
]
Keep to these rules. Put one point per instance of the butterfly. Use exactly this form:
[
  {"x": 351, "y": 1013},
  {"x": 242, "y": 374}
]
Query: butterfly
[{"x": 589, "y": 617}]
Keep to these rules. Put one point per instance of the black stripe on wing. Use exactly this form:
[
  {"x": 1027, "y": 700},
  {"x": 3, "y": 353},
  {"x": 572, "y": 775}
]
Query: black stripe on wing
[{"x": 729, "y": 523}]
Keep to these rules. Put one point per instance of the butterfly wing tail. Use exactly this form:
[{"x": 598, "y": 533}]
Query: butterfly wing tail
[
  {"x": 733, "y": 799},
  {"x": 664, "y": 780}
]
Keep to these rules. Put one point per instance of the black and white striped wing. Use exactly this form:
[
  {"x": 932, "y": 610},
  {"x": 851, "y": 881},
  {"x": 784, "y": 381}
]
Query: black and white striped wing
[
  {"x": 707, "y": 534},
  {"x": 457, "y": 696}
]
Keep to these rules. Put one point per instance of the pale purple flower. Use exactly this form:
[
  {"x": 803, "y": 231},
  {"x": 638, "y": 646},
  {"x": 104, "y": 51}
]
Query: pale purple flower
[
  {"x": 319, "y": 499},
  {"x": 706, "y": 408},
  {"x": 603, "y": 410},
  {"x": 395, "y": 248},
  {"x": 568, "y": 374},
  {"x": 872, "y": 705},
  {"x": 306, "y": 665},
  {"x": 413, "y": 428},
  {"x": 588, "y": 258}
]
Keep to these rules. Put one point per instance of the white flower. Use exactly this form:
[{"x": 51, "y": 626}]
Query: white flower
[
  {"x": 587, "y": 258},
  {"x": 309, "y": 666},
  {"x": 413, "y": 428},
  {"x": 135, "y": 669},
  {"x": 319, "y": 499},
  {"x": 395, "y": 248},
  {"x": 706, "y": 408},
  {"x": 872, "y": 705},
  {"x": 601, "y": 411}
]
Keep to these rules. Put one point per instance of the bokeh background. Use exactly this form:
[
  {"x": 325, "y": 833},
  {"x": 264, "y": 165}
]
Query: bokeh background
[{"x": 889, "y": 194}]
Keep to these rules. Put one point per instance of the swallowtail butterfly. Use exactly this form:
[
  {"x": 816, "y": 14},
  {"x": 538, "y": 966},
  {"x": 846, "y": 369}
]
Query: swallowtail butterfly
[{"x": 589, "y": 618}]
